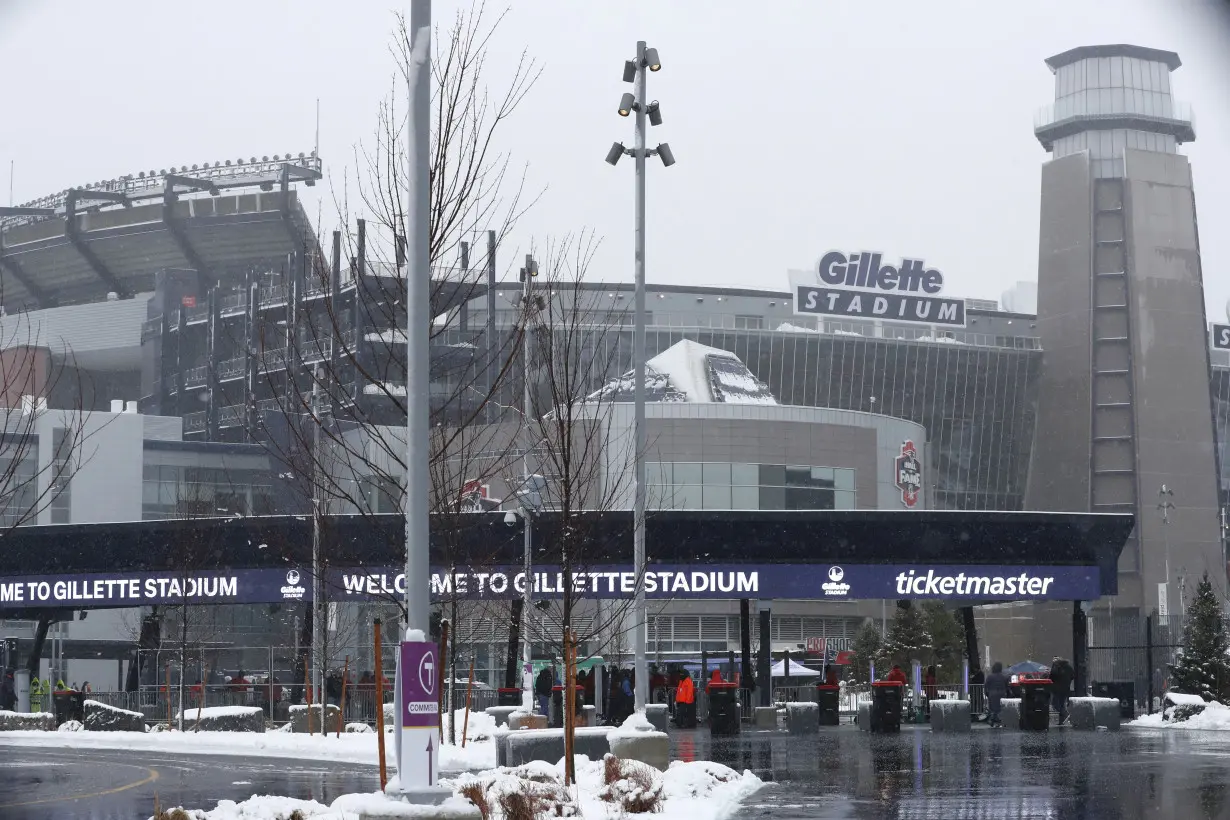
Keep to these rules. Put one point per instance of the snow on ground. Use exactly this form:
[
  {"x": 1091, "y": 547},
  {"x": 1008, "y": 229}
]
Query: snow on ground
[
  {"x": 217, "y": 712},
  {"x": 479, "y": 751},
  {"x": 1215, "y": 717}
]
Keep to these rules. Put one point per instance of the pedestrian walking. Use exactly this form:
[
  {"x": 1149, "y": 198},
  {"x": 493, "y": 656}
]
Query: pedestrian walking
[
  {"x": 996, "y": 689},
  {"x": 1062, "y": 674},
  {"x": 542, "y": 691}
]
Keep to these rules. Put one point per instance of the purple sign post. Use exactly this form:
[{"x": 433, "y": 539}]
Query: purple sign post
[{"x": 418, "y": 709}]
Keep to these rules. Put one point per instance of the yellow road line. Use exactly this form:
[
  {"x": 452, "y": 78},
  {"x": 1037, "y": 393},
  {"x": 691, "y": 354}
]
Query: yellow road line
[{"x": 151, "y": 776}]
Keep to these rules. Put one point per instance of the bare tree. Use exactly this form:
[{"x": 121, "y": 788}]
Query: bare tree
[
  {"x": 587, "y": 464},
  {"x": 32, "y": 370},
  {"x": 333, "y": 365}
]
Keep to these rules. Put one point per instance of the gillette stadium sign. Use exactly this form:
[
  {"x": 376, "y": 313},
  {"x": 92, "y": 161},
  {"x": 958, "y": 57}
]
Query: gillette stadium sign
[{"x": 864, "y": 286}]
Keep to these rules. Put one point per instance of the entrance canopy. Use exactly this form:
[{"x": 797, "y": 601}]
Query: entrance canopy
[
  {"x": 797, "y": 670},
  {"x": 832, "y": 555}
]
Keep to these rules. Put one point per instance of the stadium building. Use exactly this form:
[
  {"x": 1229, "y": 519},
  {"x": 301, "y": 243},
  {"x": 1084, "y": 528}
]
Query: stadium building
[{"x": 203, "y": 296}]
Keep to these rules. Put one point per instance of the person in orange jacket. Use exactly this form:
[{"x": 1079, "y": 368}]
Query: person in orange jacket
[
  {"x": 685, "y": 692},
  {"x": 896, "y": 675},
  {"x": 685, "y": 702}
]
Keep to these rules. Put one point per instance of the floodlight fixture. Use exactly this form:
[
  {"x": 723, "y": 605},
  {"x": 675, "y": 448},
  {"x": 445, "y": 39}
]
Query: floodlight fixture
[
  {"x": 629, "y": 71},
  {"x": 627, "y": 103},
  {"x": 617, "y": 151},
  {"x": 651, "y": 59},
  {"x": 664, "y": 152},
  {"x": 654, "y": 112}
]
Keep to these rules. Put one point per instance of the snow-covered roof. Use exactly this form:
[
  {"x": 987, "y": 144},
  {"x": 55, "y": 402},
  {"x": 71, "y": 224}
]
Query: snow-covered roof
[{"x": 691, "y": 372}]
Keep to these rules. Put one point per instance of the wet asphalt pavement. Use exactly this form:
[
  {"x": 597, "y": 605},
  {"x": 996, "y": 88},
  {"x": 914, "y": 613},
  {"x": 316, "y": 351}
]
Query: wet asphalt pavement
[
  {"x": 97, "y": 784},
  {"x": 917, "y": 775},
  {"x": 999, "y": 774}
]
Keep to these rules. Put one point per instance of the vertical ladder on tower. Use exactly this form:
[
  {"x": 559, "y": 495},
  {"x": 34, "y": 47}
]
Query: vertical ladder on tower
[{"x": 1112, "y": 485}]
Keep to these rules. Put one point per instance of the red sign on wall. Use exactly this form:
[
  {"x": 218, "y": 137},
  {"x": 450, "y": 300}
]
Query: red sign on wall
[
  {"x": 908, "y": 468},
  {"x": 187, "y": 301}
]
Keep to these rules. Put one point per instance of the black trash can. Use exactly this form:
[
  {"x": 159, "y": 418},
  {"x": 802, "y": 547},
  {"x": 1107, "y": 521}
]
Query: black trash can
[
  {"x": 1035, "y": 704},
  {"x": 724, "y": 717},
  {"x": 1123, "y": 691},
  {"x": 508, "y": 697},
  {"x": 69, "y": 705},
  {"x": 827, "y": 697},
  {"x": 886, "y": 698}
]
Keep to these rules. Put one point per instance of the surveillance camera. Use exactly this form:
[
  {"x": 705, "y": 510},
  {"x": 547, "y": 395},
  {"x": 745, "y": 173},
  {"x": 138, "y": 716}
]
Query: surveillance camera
[{"x": 510, "y": 518}]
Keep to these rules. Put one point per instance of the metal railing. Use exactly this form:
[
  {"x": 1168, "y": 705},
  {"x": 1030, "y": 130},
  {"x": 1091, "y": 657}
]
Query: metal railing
[
  {"x": 194, "y": 422},
  {"x": 196, "y": 376},
  {"x": 232, "y": 368}
]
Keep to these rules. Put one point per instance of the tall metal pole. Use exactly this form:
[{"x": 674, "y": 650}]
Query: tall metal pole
[
  {"x": 527, "y": 515},
  {"x": 418, "y": 310},
  {"x": 638, "y": 358},
  {"x": 318, "y": 625}
]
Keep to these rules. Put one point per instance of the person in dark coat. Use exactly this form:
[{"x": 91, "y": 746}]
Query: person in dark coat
[
  {"x": 1062, "y": 674},
  {"x": 8, "y": 693},
  {"x": 996, "y": 689},
  {"x": 542, "y": 690}
]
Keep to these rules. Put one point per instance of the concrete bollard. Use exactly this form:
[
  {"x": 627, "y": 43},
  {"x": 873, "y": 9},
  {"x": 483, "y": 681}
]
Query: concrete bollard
[
  {"x": 864, "y": 716},
  {"x": 589, "y": 716},
  {"x": 950, "y": 716},
  {"x": 1010, "y": 713},
  {"x": 653, "y": 748},
  {"x": 657, "y": 714},
  {"x": 765, "y": 717},
  {"x": 501, "y": 713},
  {"x": 524, "y": 720},
  {"x": 803, "y": 718},
  {"x": 1092, "y": 713}
]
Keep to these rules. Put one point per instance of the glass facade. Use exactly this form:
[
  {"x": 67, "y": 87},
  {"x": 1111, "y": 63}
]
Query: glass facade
[
  {"x": 1113, "y": 85},
  {"x": 1116, "y": 87},
  {"x": 1221, "y": 427},
  {"x": 723, "y": 486},
  {"x": 170, "y": 491},
  {"x": 977, "y": 404}
]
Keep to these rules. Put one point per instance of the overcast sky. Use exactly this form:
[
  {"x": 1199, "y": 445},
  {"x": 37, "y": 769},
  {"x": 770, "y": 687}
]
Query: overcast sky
[{"x": 895, "y": 125}]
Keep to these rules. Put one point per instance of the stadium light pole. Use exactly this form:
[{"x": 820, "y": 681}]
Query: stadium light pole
[
  {"x": 418, "y": 296},
  {"x": 636, "y": 72}
]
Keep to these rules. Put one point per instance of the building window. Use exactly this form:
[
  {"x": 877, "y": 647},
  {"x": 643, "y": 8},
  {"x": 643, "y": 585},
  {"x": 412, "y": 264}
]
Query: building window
[
  {"x": 726, "y": 486},
  {"x": 749, "y": 322},
  {"x": 176, "y": 492},
  {"x": 17, "y": 502},
  {"x": 61, "y": 476}
]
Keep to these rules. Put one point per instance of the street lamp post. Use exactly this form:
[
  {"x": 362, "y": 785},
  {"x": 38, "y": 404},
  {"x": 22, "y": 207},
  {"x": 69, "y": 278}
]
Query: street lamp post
[
  {"x": 636, "y": 72},
  {"x": 528, "y": 274},
  {"x": 418, "y": 310}
]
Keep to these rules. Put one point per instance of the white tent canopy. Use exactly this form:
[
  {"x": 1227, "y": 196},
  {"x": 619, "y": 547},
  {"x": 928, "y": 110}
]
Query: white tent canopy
[{"x": 797, "y": 670}]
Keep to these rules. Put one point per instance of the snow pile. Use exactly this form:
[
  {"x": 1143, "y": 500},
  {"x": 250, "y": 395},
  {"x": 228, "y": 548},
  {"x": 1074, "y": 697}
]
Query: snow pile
[
  {"x": 219, "y": 712},
  {"x": 691, "y": 372},
  {"x": 1187, "y": 712},
  {"x": 704, "y": 789},
  {"x": 787, "y": 327},
  {"x": 604, "y": 790},
  {"x": 349, "y": 748},
  {"x": 633, "y": 786},
  {"x": 635, "y": 724},
  {"x": 71, "y": 726}
]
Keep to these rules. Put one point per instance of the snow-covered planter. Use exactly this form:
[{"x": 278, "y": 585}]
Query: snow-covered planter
[
  {"x": 533, "y": 790},
  {"x": 358, "y": 729},
  {"x": 224, "y": 719},
  {"x": 102, "y": 717},
  {"x": 27, "y": 721},
  {"x": 71, "y": 726},
  {"x": 1178, "y": 707},
  {"x": 634, "y": 786}
]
